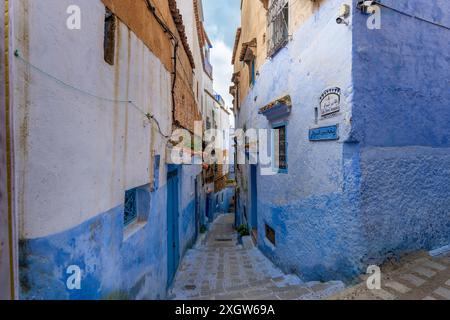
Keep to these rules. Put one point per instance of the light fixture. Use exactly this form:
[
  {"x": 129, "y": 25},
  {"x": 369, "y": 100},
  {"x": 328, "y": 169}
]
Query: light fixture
[
  {"x": 366, "y": 6},
  {"x": 344, "y": 13}
]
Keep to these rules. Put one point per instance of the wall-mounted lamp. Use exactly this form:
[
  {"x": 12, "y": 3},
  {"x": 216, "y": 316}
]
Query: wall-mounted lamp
[
  {"x": 366, "y": 6},
  {"x": 344, "y": 13}
]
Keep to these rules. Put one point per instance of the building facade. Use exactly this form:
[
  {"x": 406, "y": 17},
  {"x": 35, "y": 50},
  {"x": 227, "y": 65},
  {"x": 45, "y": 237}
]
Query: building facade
[
  {"x": 95, "y": 207},
  {"x": 359, "y": 146}
]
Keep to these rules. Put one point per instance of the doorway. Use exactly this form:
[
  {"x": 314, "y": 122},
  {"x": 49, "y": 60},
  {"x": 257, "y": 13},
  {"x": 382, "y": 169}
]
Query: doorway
[
  {"x": 208, "y": 207},
  {"x": 197, "y": 207},
  {"x": 254, "y": 201},
  {"x": 173, "y": 242}
]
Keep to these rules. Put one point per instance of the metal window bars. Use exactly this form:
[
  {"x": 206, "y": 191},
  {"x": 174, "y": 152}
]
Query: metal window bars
[
  {"x": 130, "y": 209},
  {"x": 278, "y": 25}
]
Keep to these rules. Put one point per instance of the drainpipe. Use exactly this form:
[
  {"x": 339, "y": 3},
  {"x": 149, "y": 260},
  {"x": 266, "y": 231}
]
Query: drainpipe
[{"x": 8, "y": 148}]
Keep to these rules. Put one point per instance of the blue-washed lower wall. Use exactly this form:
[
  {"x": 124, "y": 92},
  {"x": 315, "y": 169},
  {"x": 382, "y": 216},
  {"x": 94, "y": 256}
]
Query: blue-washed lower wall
[
  {"x": 401, "y": 122},
  {"x": 313, "y": 207},
  {"x": 114, "y": 265},
  {"x": 319, "y": 237},
  {"x": 222, "y": 200},
  {"x": 405, "y": 200},
  {"x": 381, "y": 190},
  {"x": 187, "y": 200}
]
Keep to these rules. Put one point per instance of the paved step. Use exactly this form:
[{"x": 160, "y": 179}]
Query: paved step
[
  {"x": 221, "y": 269},
  {"x": 417, "y": 276},
  {"x": 280, "y": 288}
]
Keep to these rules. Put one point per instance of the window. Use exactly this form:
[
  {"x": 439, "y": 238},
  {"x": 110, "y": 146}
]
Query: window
[
  {"x": 130, "y": 209},
  {"x": 109, "y": 40},
  {"x": 278, "y": 25},
  {"x": 270, "y": 234},
  {"x": 136, "y": 206},
  {"x": 214, "y": 120},
  {"x": 252, "y": 69},
  {"x": 280, "y": 148}
]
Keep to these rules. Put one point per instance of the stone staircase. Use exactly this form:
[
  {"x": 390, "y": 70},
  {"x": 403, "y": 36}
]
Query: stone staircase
[{"x": 218, "y": 268}]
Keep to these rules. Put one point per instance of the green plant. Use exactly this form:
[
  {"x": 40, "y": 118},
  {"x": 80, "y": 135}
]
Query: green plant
[
  {"x": 243, "y": 230},
  {"x": 203, "y": 229}
]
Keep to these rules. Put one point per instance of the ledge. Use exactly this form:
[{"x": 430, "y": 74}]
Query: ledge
[{"x": 280, "y": 108}]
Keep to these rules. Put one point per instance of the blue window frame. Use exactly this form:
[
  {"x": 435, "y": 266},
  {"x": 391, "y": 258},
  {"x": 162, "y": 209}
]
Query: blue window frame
[
  {"x": 130, "y": 208},
  {"x": 252, "y": 72},
  {"x": 280, "y": 148}
]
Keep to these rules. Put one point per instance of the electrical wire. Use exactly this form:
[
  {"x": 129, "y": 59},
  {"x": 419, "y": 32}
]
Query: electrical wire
[
  {"x": 149, "y": 116},
  {"x": 437, "y": 24},
  {"x": 175, "y": 44}
]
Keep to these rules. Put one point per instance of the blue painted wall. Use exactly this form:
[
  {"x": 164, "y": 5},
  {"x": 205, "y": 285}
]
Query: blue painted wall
[
  {"x": 401, "y": 121},
  {"x": 312, "y": 215},
  {"x": 382, "y": 189},
  {"x": 222, "y": 200},
  {"x": 113, "y": 267}
]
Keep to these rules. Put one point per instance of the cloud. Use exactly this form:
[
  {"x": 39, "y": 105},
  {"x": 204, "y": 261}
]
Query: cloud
[
  {"x": 223, "y": 70},
  {"x": 222, "y": 19}
]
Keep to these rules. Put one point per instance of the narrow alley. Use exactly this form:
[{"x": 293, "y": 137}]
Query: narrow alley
[
  {"x": 173, "y": 150},
  {"x": 220, "y": 268}
]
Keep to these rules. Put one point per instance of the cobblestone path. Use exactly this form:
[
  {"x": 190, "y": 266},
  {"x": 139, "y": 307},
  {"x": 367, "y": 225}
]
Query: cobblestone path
[
  {"x": 416, "y": 277},
  {"x": 218, "y": 268}
]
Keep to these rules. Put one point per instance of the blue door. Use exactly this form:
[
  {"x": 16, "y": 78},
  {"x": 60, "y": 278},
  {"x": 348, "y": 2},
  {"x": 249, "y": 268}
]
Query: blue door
[
  {"x": 208, "y": 209},
  {"x": 254, "y": 197},
  {"x": 197, "y": 208},
  {"x": 173, "y": 253}
]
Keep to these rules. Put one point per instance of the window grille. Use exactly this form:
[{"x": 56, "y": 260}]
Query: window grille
[
  {"x": 109, "y": 37},
  {"x": 270, "y": 234},
  {"x": 281, "y": 148},
  {"x": 278, "y": 25},
  {"x": 252, "y": 77},
  {"x": 130, "y": 210}
]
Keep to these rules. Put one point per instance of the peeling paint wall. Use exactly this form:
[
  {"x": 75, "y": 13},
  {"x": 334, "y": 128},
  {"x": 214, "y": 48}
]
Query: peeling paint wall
[
  {"x": 382, "y": 189},
  {"x": 309, "y": 207},
  {"x": 76, "y": 155}
]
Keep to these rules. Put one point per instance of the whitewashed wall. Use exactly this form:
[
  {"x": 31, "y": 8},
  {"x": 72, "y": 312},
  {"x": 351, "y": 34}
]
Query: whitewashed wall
[{"x": 75, "y": 154}]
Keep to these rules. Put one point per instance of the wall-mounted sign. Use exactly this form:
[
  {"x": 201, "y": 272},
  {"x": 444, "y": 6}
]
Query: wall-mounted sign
[
  {"x": 324, "y": 133},
  {"x": 330, "y": 101}
]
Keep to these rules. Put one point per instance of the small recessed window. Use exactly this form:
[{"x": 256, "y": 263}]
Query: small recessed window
[
  {"x": 130, "y": 209},
  {"x": 109, "y": 40},
  {"x": 136, "y": 208},
  {"x": 252, "y": 69},
  {"x": 270, "y": 234},
  {"x": 278, "y": 19}
]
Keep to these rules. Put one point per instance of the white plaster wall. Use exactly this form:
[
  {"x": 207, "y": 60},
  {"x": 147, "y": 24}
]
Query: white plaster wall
[
  {"x": 186, "y": 8},
  {"x": 304, "y": 69},
  {"x": 75, "y": 154}
]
